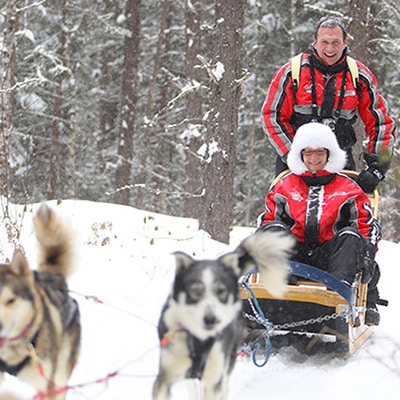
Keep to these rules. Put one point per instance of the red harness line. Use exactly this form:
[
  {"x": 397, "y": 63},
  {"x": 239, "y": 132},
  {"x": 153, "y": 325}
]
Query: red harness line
[
  {"x": 43, "y": 395},
  {"x": 169, "y": 336}
]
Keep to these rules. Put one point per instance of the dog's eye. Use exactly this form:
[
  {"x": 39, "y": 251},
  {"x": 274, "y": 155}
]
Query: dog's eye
[
  {"x": 222, "y": 292},
  {"x": 196, "y": 291},
  {"x": 10, "y": 301}
]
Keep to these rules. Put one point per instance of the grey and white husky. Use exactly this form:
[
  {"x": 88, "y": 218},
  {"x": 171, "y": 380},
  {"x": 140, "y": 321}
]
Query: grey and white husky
[{"x": 200, "y": 327}]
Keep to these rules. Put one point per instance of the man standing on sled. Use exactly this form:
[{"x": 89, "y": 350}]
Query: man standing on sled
[
  {"x": 327, "y": 85},
  {"x": 328, "y": 213}
]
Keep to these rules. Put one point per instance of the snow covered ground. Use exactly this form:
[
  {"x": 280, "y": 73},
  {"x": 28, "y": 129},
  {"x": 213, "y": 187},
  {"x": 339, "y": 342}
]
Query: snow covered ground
[{"x": 124, "y": 272}]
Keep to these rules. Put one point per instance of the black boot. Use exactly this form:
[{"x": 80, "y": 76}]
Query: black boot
[{"x": 372, "y": 316}]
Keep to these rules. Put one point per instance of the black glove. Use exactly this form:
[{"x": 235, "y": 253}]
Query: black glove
[
  {"x": 369, "y": 178},
  {"x": 274, "y": 226},
  {"x": 368, "y": 263}
]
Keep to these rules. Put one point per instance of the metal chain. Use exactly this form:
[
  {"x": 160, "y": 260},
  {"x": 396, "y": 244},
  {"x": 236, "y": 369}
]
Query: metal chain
[
  {"x": 300, "y": 323},
  {"x": 270, "y": 326}
]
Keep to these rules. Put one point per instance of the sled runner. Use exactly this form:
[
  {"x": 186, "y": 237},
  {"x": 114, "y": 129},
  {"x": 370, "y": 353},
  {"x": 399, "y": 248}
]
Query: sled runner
[{"x": 318, "y": 312}]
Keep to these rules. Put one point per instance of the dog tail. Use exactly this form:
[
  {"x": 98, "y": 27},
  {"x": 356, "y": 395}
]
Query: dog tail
[
  {"x": 55, "y": 242},
  {"x": 269, "y": 253}
]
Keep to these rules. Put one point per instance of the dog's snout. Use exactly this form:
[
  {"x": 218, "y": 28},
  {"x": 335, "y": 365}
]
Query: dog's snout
[{"x": 210, "y": 320}]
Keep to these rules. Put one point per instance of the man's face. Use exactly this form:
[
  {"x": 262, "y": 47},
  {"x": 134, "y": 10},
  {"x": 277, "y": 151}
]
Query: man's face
[{"x": 330, "y": 44}]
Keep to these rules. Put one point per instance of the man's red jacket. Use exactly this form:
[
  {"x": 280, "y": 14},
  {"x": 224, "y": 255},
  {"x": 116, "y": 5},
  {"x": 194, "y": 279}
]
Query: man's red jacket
[{"x": 283, "y": 106}]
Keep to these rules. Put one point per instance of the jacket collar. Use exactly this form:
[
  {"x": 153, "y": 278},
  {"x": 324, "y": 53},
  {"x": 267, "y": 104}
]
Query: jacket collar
[
  {"x": 317, "y": 178},
  {"x": 319, "y": 64}
]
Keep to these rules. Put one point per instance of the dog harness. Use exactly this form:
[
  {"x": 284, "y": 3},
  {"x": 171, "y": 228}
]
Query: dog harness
[
  {"x": 198, "y": 351},
  {"x": 15, "y": 369}
]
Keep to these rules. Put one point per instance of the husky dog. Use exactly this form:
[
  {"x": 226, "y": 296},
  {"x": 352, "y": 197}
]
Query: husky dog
[
  {"x": 39, "y": 321},
  {"x": 200, "y": 326}
]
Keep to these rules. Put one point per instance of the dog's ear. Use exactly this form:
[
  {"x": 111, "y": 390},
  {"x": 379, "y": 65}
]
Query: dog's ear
[
  {"x": 231, "y": 260},
  {"x": 19, "y": 265},
  {"x": 182, "y": 260}
]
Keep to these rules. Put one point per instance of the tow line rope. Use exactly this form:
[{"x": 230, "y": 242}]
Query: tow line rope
[
  {"x": 62, "y": 390},
  {"x": 261, "y": 319}
]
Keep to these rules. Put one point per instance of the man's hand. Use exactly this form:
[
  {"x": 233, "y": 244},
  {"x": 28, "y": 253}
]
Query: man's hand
[{"x": 369, "y": 178}]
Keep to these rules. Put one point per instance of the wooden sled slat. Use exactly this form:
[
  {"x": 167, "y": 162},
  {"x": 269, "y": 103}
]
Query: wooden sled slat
[
  {"x": 350, "y": 332},
  {"x": 303, "y": 291}
]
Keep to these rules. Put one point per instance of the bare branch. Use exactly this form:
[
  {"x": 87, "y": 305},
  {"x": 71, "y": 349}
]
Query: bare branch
[
  {"x": 157, "y": 192},
  {"x": 243, "y": 79},
  {"x": 19, "y": 10},
  {"x": 208, "y": 68}
]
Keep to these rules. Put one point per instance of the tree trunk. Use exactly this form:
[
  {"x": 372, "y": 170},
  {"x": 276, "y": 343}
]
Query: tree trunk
[
  {"x": 57, "y": 110},
  {"x": 255, "y": 125},
  {"x": 222, "y": 123},
  {"x": 73, "y": 132},
  {"x": 150, "y": 112},
  {"x": 362, "y": 29},
  {"x": 128, "y": 102},
  {"x": 7, "y": 80},
  {"x": 108, "y": 109},
  {"x": 161, "y": 154},
  {"x": 193, "y": 167}
]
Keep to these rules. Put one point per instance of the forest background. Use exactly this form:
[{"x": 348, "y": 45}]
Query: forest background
[{"x": 156, "y": 104}]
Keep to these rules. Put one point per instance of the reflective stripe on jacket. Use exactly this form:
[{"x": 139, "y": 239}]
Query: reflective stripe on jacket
[
  {"x": 324, "y": 209},
  {"x": 285, "y": 109}
]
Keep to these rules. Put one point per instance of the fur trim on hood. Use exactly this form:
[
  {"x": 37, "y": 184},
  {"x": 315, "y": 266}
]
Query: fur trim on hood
[{"x": 315, "y": 135}]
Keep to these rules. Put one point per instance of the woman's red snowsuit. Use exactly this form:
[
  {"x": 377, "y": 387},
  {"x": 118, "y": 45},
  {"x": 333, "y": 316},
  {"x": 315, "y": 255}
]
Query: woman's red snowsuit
[{"x": 318, "y": 212}]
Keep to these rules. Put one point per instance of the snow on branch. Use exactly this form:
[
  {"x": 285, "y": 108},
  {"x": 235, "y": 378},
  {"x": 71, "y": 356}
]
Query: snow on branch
[
  {"x": 208, "y": 68},
  {"x": 38, "y": 3},
  {"x": 19, "y": 85}
]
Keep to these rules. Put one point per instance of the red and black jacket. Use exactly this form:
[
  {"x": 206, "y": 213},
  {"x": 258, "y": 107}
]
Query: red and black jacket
[
  {"x": 315, "y": 206},
  {"x": 335, "y": 96}
]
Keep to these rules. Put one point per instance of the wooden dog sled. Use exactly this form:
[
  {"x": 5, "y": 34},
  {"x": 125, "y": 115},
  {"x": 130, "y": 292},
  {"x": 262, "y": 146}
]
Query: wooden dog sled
[{"x": 318, "y": 312}]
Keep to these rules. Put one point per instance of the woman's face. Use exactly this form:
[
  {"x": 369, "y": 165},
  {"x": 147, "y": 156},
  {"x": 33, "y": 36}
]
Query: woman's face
[{"x": 315, "y": 159}]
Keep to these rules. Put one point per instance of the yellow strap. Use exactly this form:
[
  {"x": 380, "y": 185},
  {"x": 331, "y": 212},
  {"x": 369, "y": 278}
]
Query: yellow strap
[
  {"x": 296, "y": 65},
  {"x": 351, "y": 63}
]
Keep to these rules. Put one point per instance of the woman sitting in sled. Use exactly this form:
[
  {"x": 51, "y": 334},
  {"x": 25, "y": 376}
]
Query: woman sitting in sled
[{"x": 328, "y": 213}]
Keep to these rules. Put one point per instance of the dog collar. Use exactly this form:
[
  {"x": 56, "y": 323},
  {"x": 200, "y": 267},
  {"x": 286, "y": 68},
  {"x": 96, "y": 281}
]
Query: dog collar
[
  {"x": 22, "y": 335},
  {"x": 170, "y": 335}
]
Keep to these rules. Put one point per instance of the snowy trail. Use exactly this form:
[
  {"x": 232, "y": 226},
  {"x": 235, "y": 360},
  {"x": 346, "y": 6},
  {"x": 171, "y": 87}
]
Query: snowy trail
[{"x": 124, "y": 261}]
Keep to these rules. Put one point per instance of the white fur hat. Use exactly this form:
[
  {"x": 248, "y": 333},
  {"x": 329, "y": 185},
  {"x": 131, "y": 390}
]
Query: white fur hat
[{"x": 315, "y": 135}]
